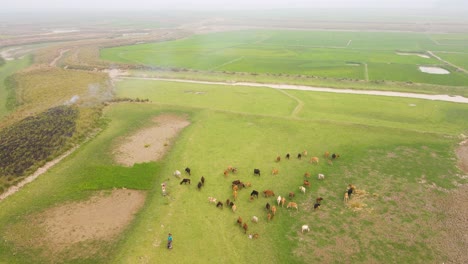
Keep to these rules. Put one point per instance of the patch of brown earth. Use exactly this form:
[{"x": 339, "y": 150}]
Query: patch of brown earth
[
  {"x": 462, "y": 154},
  {"x": 454, "y": 227},
  {"x": 150, "y": 144},
  {"x": 102, "y": 217}
]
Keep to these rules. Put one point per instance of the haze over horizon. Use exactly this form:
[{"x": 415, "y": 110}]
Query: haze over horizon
[{"x": 230, "y": 5}]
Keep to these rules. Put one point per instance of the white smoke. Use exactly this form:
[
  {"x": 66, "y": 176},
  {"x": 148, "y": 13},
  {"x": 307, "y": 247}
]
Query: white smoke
[{"x": 73, "y": 100}]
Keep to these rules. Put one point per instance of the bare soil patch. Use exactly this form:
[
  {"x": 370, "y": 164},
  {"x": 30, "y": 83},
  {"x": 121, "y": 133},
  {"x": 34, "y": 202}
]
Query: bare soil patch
[
  {"x": 100, "y": 218},
  {"x": 462, "y": 154},
  {"x": 150, "y": 144}
]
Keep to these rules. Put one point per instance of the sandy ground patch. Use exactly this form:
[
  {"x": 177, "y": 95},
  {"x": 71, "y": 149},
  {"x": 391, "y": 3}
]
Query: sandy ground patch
[
  {"x": 462, "y": 154},
  {"x": 100, "y": 218},
  {"x": 150, "y": 144},
  {"x": 413, "y": 54}
]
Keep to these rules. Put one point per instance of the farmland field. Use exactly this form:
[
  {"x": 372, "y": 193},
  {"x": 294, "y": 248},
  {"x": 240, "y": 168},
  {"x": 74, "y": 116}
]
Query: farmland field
[
  {"x": 370, "y": 56},
  {"x": 379, "y": 143},
  {"x": 101, "y": 134}
]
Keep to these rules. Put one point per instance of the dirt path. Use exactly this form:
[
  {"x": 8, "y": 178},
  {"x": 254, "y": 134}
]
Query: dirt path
[
  {"x": 300, "y": 104},
  {"x": 446, "y": 98},
  {"x": 448, "y": 63},
  {"x": 54, "y": 62}
]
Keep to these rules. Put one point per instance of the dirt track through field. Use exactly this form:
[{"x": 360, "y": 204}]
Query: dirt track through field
[{"x": 441, "y": 97}]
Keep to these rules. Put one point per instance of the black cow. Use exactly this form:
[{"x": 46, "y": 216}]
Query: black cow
[
  {"x": 184, "y": 181},
  {"x": 350, "y": 191},
  {"x": 199, "y": 185},
  {"x": 287, "y": 156},
  {"x": 254, "y": 193},
  {"x": 219, "y": 204},
  {"x": 316, "y": 206},
  {"x": 228, "y": 202},
  {"x": 299, "y": 156},
  {"x": 202, "y": 180},
  {"x": 187, "y": 170},
  {"x": 267, "y": 206},
  {"x": 334, "y": 156},
  {"x": 257, "y": 172},
  {"x": 236, "y": 182}
]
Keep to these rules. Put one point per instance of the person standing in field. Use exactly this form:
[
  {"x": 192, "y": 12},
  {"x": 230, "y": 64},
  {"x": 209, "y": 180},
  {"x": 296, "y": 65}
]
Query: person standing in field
[{"x": 169, "y": 241}]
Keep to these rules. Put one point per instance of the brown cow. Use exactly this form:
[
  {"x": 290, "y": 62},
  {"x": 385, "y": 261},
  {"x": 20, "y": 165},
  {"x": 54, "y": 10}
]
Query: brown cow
[
  {"x": 245, "y": 226},
  {"x": 234, "y": 207},
  {"x": 239, "y": 221},
  {"x": 327, "y": 154},
  {"x": 269, "y": 216},
  {"x": 291, "y": 195},
  {"x": 274, "y": 171},
  {"x": 273, "y": 210},
  {"x": 234, "y": 193},
  {"x": 268, "y": 193},
  {"x": 235, "y": 187},
  {"x": 226, "y": 173},
  {"x": 304, "y": 153},
  {"x": 314, "y": 160},
  {"x": 307, "y": 175},
  {"x": 283, "y": 200},
  {"x": 319, "y": 200},
  {"x": 278, "y": 159},
  {"x": 293, "y": 205},
  {"x": 306, "y": 183}
]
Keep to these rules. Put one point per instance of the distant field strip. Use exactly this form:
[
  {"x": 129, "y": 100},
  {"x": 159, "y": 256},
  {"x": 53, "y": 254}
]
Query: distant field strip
[
  {"x": 459, "y": 58},
  {"x": 446, "y": 98},
  {"x": 329, "y": 54}
]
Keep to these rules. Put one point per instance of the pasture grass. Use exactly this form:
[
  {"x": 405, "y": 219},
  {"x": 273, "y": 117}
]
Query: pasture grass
[
  {"x": 391, "y": 112},
  {"x": 245, "y": 131},
  {"x": 6, "y": 70},
  {"x": 328, "y": 54}
]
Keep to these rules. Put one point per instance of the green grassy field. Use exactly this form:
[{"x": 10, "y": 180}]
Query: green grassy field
[
  {"x": 329, "y": 54},
  {"x": 6, "y": 70},
  {"x": 386, "y": 147}
]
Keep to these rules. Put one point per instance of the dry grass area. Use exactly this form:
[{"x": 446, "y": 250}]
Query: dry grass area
[{"x": 151, "y": 143}]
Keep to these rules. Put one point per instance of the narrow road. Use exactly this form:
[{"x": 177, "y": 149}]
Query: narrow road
[
  {"x": 54, "y": 62},
  {"x": 441, "y": 97}
]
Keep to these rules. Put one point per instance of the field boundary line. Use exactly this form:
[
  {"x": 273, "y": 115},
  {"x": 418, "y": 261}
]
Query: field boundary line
[
  {"x": 227, "y": 63},
  {"x": 446, "y": 62},
  {"x": 299, "y": 106},
  {"x": 366, "y": 72},
  {"x": 434, "y": 97}
]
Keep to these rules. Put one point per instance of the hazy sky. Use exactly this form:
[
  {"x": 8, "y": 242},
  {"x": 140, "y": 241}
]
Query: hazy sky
[{"x": 224, "y": 4}]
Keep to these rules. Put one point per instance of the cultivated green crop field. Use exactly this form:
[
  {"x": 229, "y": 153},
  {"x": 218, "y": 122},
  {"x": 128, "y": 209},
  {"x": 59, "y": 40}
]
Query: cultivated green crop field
[
  {"x": 369, "y": 56},
  {"x": 394, "y": 149}
]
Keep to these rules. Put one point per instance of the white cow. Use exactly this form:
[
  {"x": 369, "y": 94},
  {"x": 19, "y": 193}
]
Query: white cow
[
  {"x": 254, "y": 219},
  {"x": 321, "y": 176},
  {"x": 305, "y": 228},
  {"x": 278, "y": 200},
  {"x": 303, "y": 189},
  {"x": 177, "y": 173}
]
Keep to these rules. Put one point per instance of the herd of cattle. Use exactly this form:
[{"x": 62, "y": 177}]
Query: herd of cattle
[{"x": 271, "y": 210}]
